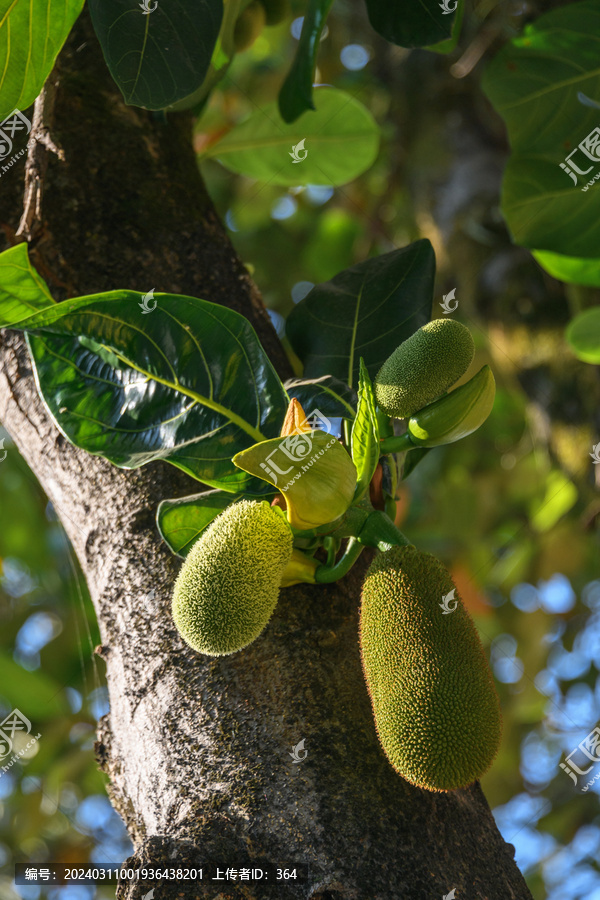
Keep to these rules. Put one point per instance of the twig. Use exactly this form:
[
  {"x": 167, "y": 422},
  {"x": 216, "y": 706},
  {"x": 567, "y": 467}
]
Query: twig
[{"x": 40, "y": 144}]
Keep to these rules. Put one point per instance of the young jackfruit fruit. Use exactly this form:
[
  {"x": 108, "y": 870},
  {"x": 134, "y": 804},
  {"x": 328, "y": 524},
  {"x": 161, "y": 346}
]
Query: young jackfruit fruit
[
  {"x": 436, "y": 709},
  {"x": 424, "y": 366},
  {"x": 228, "y": 585}
]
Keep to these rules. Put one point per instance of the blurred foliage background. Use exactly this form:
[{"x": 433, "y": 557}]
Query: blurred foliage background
[{"x": 512, "y": 510}]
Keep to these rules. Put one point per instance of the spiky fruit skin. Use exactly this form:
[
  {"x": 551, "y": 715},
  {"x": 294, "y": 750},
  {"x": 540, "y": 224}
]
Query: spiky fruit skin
[
  {"x": 228, "y": 585},
  {"x": 436, "y": 709},
  {"x": 424, "y": 366}
]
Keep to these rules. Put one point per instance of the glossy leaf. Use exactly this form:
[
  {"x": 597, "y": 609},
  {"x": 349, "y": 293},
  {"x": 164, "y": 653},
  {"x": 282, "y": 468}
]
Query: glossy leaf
[
  {"x": 160, "y": 57},
  {"x": 366, "y": 310},
  {"x": 411, "y": 23},
  {"x": 448, "y": 45},
  {"x": 22, "y": 291},
  {"x": 313, "y": 472},
  {"x": 188, "y": 383},
  {"x": 295, "y": 96},
  {"x": 182, "y": 521},
  {"x": 364, "y": 439},
  {"x": 534, "y": 83},
  {"x": 572, "y": 269},
  {"x": 340, "y": 140},
  {"x": 327, "y": 394},
  {"x": 583, "y": 335},
  {"x": 31, "y": 36}
]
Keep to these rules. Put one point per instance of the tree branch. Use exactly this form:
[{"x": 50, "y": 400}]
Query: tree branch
[{"x": 197, "y": 748}]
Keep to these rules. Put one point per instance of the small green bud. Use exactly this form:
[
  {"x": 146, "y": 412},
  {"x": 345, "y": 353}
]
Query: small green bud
[
  {"x": 424, "y": 366},
  {"x": 457, "y": 414},
  {"x": 229, "y": 583}
]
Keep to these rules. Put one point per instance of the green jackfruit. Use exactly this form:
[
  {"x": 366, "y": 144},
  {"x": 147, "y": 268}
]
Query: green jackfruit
[
  {"x": 436, "y": 709},
  {"x": 228, "y": 585},
  {"x": 424, "y": 366}
]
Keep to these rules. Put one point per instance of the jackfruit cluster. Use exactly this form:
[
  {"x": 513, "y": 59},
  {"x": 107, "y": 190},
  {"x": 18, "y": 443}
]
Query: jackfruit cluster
[
  {"x": 424, "y": 366},
  {"x": 435, "y": 706},
  {"x": 229, "y": 583}
]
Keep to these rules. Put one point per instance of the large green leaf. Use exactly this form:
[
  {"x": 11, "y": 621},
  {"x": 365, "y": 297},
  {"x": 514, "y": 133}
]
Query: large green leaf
[
  {"x": 447, "y": 46},
  {"x": 583, "y": 335},
  {"x": 182, "y": 521},
  {"x": 188, "y": 383},
  {"x": 295, "y": 96},
  {"x": 412, "y": 23},
  {"x": 340, "y": 140},
  {"x": 571, "y": 269},
  {"x": 32, "y": 33},
  {"x": 160, "y": 57},
  {"x": 329, "y": 395},
  {"x": 22, "y": 291},
  {"x": 366, "y": 310},
  {"x": 364, "y": 440},
  {"x": 536, "y": 83}
]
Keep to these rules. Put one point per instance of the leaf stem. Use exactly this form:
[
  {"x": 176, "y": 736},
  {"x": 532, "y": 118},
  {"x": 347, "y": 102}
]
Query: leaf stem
[
  {"x": 396, "y": 444},
  {"x": 328, "y": 574}
]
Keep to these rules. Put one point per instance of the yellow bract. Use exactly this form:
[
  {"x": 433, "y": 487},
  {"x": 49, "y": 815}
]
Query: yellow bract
[{"x": 312, "y": 470}]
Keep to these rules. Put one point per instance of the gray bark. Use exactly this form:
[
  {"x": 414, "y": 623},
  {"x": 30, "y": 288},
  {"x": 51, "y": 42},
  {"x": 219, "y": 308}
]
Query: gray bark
[{"x": 197, "y": 749}]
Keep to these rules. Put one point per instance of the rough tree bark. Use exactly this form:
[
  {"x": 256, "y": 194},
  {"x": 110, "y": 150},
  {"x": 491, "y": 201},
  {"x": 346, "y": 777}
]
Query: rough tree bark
[{"x": 197, "y": 748}]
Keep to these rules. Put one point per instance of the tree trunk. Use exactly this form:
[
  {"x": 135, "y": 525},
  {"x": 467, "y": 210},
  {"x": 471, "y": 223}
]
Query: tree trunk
[{"x": 198, "y": 749}]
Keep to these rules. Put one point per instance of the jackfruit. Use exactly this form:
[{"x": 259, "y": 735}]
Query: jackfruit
[
  {"x": 435, "y": 706},
  {"x": 229, "y": 583},
  {"x": 249, "y": 25},
  {"x": 424, "y": 366}
]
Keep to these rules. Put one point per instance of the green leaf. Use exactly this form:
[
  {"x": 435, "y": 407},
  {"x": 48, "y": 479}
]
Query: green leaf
[
  {"x": 22, "y": 291},
  {"x": 182, "y": 521},
  {"x": 340, "y": 140},
  {"x": 161, "y": 57},
  {"x": 311, "y": 469},
  {"x": 560, "y": 496},
  {"x": 31, "y": 36},
  {"x": 329, "y": 395},
  {"x": 571, "y": 269},
  {"x": 366, "y": 310},
  {"x": 188, "y": 383},
  {"x": 448, "y": 45},
  {"x": 412, "y": 460},
  {"x": 583, "y": 335},
  {"x": 295, "y": 96},
  {"x": 364, "y": 439},
  {"x": 35, "y": 694},
  {"x": 411, "y": 23},
  {"x": 536, "y": 83}
]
